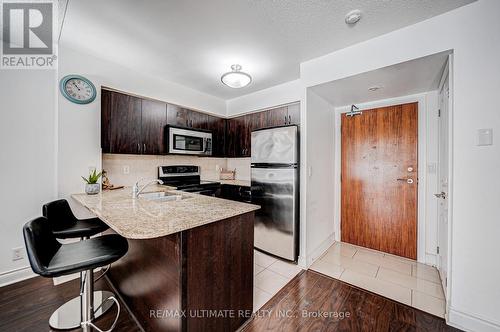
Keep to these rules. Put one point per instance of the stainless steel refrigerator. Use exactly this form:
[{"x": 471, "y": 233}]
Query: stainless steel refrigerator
[{"x": 275, "y": 187}]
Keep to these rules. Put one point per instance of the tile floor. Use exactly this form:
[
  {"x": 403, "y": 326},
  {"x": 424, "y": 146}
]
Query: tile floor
[
  {"x": 270, "y": 275},
  {"x": 397, "y": 278}
]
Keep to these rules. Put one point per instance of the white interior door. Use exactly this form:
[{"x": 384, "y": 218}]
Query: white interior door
[{"x": 442, "y": 194}]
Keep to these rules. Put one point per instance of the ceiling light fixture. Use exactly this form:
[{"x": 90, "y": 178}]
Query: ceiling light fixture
[
  {"x": 236, "y": 78},
  {"x": 353, "y": 17}
]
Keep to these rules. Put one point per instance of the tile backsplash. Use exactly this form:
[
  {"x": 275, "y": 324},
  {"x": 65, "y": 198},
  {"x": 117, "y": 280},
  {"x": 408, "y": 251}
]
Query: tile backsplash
[
  {"x": 242, "y": 166},
  {"x": 145, "y": 166}
]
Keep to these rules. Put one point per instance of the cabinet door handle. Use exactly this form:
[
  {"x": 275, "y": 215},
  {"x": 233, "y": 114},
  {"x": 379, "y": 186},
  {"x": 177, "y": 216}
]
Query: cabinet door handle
[
  {"x": 289, "y": 119},
  {"x": 138, "y": 147},
  {"x": 285, "y": 119},
  {"x": 144, "y": 148}
]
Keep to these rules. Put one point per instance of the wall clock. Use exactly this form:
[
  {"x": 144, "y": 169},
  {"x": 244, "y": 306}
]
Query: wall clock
[{"x": 77, "y": 89}]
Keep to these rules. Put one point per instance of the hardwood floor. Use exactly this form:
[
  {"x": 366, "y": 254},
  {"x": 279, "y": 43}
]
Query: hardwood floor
[
  {"x": 27, "y": 305},
  {"x": 312, "y": 293}
]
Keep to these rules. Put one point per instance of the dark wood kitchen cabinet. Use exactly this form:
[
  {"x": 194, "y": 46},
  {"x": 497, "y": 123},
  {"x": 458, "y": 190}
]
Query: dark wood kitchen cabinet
[
  {"x": 184, "y": 117},
  {"x": 293, "y": 111},
  {"x": 120, "y": 123},
  {"x": 238, "y": 136},
  {"x": 218, "y": 128},
  {"x": 154, "y": 120},
  {"x": 131, "y": 125},
  {"x": 282, "y": 116},
  {"x": 236, "y": 193},
  {"x": 276, "y": 117},
  {"x": 239, "y": 129}
]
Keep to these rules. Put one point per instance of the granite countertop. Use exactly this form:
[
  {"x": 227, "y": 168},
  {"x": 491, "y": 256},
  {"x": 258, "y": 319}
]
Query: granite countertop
[
  {"x": 141, "y": 218},
  {"x": 243, "y": 183}
]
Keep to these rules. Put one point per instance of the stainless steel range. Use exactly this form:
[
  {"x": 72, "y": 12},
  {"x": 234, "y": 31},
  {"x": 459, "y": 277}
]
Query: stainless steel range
[{"x": 187, "y": 178}]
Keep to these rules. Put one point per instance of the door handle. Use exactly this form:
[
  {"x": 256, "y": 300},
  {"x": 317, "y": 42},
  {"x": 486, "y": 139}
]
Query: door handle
[
  {"x": 409, "y": 181},
  {"x": 441, "y": 195}
]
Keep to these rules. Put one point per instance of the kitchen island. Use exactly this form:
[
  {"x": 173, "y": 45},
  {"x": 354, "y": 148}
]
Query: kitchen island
[{"x": 190, "y": 261}]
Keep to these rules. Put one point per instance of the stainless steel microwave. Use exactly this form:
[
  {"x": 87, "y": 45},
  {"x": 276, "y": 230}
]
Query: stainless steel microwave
[{"x": 189, "y": 141}]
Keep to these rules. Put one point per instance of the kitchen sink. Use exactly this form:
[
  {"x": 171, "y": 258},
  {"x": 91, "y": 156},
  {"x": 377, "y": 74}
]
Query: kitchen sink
[{"x": 163, "y": 196}]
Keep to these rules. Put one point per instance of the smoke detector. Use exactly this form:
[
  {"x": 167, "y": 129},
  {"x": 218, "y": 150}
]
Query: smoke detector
[{"x": 353, "y": 17}]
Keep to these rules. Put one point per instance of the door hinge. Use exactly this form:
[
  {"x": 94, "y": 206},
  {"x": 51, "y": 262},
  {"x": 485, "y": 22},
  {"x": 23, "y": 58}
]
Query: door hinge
[
  {"x": 439, "y": 113},
  {"x": 437, "y": 249}
]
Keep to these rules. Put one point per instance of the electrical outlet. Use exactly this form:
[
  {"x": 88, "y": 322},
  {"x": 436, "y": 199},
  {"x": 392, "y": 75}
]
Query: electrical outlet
[
  {"x": 17, "y": 253},
  {"x": 126, "y": 169}
]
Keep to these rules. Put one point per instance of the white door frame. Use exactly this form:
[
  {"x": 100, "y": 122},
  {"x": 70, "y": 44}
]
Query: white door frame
[
  {"x": 422, "y": 162},
  {"x": 448, "y": 73}
]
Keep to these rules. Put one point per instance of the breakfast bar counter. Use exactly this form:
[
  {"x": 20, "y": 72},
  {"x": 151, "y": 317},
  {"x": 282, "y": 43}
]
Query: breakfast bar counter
[{"x": 190, "y": 261}]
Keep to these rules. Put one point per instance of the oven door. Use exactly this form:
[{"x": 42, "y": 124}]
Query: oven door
[{"x": 185, "y": 141}]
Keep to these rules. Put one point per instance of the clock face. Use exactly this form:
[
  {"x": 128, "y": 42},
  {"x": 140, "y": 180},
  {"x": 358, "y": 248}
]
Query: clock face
[{"x": 78, "y": 89}]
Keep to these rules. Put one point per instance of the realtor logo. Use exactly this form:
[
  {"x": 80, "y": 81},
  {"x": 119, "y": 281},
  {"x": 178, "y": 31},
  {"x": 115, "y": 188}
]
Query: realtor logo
[{"x": 28, "y": 34}]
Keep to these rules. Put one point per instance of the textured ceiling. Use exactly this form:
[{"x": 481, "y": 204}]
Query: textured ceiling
[
  {"x": 403, "y": 79},
  {"x": 193, "y": 42}
]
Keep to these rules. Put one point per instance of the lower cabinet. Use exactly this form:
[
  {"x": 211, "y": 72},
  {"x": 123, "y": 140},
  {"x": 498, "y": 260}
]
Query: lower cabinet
[{"x": 236, "y": 193}]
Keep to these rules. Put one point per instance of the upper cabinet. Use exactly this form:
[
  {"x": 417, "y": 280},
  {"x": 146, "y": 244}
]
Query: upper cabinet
[
  {"x": 218, "y": 128},
  {"x": 132, "y": 125},
  {"x": 120, "y": 123},
  {"x": 239, "y": 129},
  {"x": 293, "y": 112},
  {"x": 154, "y": 120},
  {"x": 184, "y": 117}
]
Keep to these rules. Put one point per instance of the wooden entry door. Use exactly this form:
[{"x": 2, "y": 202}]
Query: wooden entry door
[{"x": 379, "y": 179}]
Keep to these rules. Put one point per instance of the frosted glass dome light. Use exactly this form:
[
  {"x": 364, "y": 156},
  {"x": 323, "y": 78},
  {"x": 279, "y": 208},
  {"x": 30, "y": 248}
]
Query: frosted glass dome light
[{"x": 236, "y": 78}]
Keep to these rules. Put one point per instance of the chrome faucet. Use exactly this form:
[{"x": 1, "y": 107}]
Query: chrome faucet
[{"x": 136, "y": 191}]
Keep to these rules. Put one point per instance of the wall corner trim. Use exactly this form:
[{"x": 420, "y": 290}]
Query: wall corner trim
[
  {"x": 468, "y": 322},
  {"x": 320, "y": 250}
]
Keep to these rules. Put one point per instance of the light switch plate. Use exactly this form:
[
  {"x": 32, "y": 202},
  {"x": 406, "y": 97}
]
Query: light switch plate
[{"x": 484, "y": 137}]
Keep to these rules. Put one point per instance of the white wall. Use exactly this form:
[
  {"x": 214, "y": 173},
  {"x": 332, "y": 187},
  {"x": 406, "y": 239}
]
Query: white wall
[
  {"x": 472, "y": 33},
  {"x": 79, "y": 125},
  {"x": 277, "y": 95},
  {"x": 28, "y": 158},
  {"x": 319, "y": 191}
]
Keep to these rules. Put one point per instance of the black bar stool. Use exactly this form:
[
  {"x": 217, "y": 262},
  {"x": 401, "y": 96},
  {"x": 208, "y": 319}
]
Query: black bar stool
[
  {"x": 49, "y": 258},
  {"x": 65, "y": 225}
]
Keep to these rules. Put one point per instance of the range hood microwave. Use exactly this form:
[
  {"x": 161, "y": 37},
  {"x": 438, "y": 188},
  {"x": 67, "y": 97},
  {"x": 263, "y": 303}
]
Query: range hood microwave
[{"x": 189, "y": 141}]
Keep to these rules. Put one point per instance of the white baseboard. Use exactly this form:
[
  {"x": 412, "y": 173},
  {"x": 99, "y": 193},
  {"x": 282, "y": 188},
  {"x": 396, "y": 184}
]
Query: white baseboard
[
  {"x": 63, "y": 279},
  {"x": 430, "y": 259},
  {"x": 320, "y": 250},
  {"x": 470, "y": 323},
  {"x": 13, "y": 276}
]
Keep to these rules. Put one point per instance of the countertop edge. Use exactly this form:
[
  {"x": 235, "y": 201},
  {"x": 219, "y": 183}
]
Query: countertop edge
[{"x": 76, "y": 197}]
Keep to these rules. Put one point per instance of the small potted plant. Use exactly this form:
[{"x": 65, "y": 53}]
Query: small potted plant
[{"x": 92, "y": 187}]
